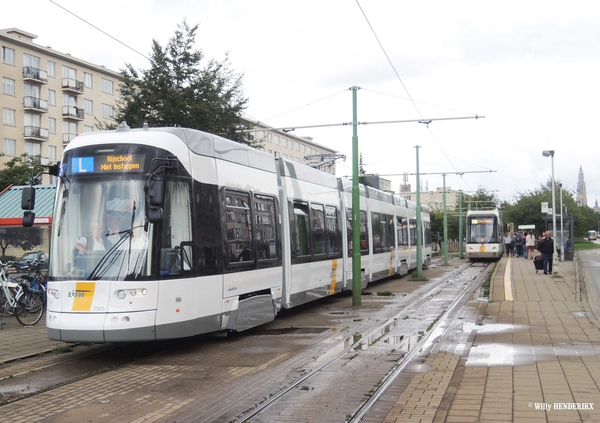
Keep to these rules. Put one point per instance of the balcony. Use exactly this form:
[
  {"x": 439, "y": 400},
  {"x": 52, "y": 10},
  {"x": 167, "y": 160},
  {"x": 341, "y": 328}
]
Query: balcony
[
  {"x": 67, "y": 138},
  {"x": 72, "y": 113},
  {"x": 36, "y": 133},
  {"x": 73, "y": 86},
  {"x": 32, "y": 74},
  {"x": 34, "y": 104}
]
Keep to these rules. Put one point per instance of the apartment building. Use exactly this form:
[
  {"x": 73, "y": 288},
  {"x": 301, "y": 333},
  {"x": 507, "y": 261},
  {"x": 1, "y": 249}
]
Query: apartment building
[
  {"x": 433, "y": 199},
  {"x": 283, "y": 144},
  {"x": 48, "y": 97}
]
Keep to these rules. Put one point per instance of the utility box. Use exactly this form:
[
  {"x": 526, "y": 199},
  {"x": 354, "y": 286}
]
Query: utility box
[{"x": 564, "y": 238}]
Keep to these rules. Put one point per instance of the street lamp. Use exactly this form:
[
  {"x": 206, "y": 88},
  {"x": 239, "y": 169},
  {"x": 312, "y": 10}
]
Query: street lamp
[
  {"x": 550, "y": 153},
  {"x": 562, "y": 240}
]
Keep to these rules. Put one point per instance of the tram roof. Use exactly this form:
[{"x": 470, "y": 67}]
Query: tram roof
[{"x": 11, "y": 213}]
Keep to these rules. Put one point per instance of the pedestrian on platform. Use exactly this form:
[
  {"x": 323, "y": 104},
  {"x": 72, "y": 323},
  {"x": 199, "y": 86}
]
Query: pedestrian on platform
[
  {"x": 547, "y": 250},
  {"x": 530, "y": 244},
  {"x": 519, "y": 244},
  {"x": 507, "y": 244}
]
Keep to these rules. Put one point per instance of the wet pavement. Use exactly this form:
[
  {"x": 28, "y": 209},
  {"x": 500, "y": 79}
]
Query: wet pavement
[{"x": 530, "y": 354}]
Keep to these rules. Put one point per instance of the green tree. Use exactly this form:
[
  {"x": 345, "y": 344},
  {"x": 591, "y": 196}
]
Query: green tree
[
  {"x": 361, "y": 172},
  {"x": 24, "y": 238},
  {"x": 16, "y": 171},
  {"x": 177, "y": 91}
]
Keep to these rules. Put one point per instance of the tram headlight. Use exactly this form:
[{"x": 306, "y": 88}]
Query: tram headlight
[
  {"x": 121, "y": 294},
  {"x": 54, "y": 292},
  {"x": 144, "y": 291},
  {"x": 133, "y": 292}
]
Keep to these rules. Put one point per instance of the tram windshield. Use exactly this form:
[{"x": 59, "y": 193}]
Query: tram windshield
[
  {"x": 98, "y": 229},
  {"x": 482, "y": 230}
]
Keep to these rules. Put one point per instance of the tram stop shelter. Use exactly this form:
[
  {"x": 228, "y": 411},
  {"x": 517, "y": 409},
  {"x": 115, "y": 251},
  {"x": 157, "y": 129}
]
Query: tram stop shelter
[
  {"x": 11, "y": 214},
  {"x": 564, "y": 238}
]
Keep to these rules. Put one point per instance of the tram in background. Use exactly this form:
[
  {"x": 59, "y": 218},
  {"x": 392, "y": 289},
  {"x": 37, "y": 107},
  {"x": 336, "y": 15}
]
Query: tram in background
[
  {"x": 591, "y": 235},
  {"x": 484, "y": 235},
  {"x": 203, "y": 234}
]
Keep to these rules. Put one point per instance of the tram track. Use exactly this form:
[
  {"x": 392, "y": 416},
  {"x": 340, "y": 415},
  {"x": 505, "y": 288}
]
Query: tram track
[{"x": 379, "y": 334}]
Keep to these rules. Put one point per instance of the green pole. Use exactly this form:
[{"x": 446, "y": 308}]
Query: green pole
[
  {"x": 356, "y": 264},
  {"x": 460, "y": 225},
  {"x": 419, "y": 234},
  {"x": 445, "y": 223}
]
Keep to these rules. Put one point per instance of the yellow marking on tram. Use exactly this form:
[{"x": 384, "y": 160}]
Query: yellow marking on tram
[
  {"x": 482, "y": 248},
  {"x": 333, "y": 275},
  {"x": 84, "y": 295},
  {"x": 508, "y": 296},
  {"x": 391, "y": 263}
]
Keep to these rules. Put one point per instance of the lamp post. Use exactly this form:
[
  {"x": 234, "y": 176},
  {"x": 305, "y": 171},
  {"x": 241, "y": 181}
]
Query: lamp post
[
  {"x": 550, "y": 153},
  {"x": 562, "y": 240}
]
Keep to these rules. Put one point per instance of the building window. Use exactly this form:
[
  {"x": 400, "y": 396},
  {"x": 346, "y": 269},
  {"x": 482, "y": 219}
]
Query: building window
[
  {"x": 29, "y": 60},
  {"x": 10, "y": 147},
  {"x": 88, "y": 128},
  {"x": 52, "y": 125},
  {"x": 107, "y": 86},
  {"x": 276, "y": 139},
  {"x": 107, "y": 111},
  {"x": 33, "y": 149},
  {"x": 88, "y": 106},
  {"x": 70, "y": 128},
  {"x": 51, "y": 97},
  {"x": 285, "y": 156},
  {"x": 8, "y": 56},
  {"x": 10, "y": 117},
  {"x": 51, "y": 68},
  {"x": 297, "y": 146},
  {"x": 283, "y": 142},
  {"x": 87, "y": 80},
  {"x": 8, "y": 86},
  {"x": 303, "y": 148},
  {"x": 52, "y": 153}
]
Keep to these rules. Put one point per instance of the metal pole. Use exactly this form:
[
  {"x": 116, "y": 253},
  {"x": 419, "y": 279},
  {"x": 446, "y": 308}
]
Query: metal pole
[
  {"x": 356, "y": 263},
  {"x": 562, "y": 240},
  {"x": 445, "y": 223},
  {"x": 555, "y": 255},
  {"x": 419, "y": 251},
  {"x": 460, "y": 225}
]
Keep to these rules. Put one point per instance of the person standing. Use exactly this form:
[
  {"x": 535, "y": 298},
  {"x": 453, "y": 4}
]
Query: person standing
[
  {"x": 519, "y": 244},
  {"x": 530, "y": 245},
  {"x": 507, "y": 244},
  {"x": 547, "y": 250}
]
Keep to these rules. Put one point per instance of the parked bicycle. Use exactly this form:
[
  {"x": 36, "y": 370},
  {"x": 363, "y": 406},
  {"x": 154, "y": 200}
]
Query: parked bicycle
[{"x": 20, "y": 299}]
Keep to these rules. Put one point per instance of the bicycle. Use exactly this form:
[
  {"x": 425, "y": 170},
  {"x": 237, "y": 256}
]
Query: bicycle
[
  {"x": 11, "y": 286},
  {"x": 25, "y": 303}
]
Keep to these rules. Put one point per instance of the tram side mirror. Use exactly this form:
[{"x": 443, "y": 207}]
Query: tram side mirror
[
  {"x": 155, "y": 214},
  {"x": 155, "y": 193},
  {"x": 28, "y": 198},
  {"x": 28, "y": 219}
]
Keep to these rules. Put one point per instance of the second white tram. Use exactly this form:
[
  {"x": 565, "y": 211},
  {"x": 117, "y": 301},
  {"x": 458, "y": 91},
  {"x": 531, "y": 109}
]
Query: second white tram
[
  {"x": 485, "y": 239},
  {"x": 203, "y": 234}
]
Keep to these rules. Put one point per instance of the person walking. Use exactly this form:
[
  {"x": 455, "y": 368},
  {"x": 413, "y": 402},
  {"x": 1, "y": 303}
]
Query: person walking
[
  {"x": 519, "y": 244},
  {"x": 530, "y": 245},
  {"x": 547, "y": 250}
]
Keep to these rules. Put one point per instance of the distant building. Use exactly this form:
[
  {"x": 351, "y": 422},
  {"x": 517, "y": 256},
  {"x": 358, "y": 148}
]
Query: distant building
[
  {"x": 378, "y": 183},
  {"x": 48, "y": 97},
  {"x": 596, "y": 208},
  {"x": 581, "y": 191},
  {"x": 283, "y": 144},
  {"x": 434, "y": 199}
]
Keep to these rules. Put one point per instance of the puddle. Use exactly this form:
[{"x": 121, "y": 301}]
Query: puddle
[
  {"x": 291, "y": 331},
  {"x": 493, "y": 328},
  {"x": 515, "y": 355},
  {"x": 579, "y": 314}
]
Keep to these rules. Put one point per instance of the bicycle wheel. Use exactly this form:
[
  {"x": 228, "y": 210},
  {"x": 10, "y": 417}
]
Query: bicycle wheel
[
  {"x": 5, "y": 308},
  {"x": 30, "y": 309}
]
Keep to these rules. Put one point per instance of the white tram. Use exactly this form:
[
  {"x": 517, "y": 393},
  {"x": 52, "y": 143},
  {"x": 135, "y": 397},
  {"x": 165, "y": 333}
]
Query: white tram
[
  {"x": 203, "y": 234},
  {"x": 485, "y": 239}
]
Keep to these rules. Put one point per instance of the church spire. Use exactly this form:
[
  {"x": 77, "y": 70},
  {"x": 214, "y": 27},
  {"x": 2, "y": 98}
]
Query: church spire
[{"x": 581, "y": 190}]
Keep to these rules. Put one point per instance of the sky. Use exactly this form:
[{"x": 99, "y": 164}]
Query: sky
[{"x": 530, "y": 70}]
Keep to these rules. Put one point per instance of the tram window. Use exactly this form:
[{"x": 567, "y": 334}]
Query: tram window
[
  {"x": 364, "y": 236},
  {"x": 239, "y": 227},
  {"x": 349, "y": 229},
  {"x": 413, "y": 231},
  {"x": 300, "y": 240},
  {"x": 390, "y": 231},
  {"x": 402, "y": 232},
  {"x": 318, "y": 229},
  {"x": 427, "y": 226},
  {"x": 266, "y": 234},
  {"x": 333, "y": 231},
  {"x": 387, "y": 237},
  {"x": 376, "y": 222}
]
